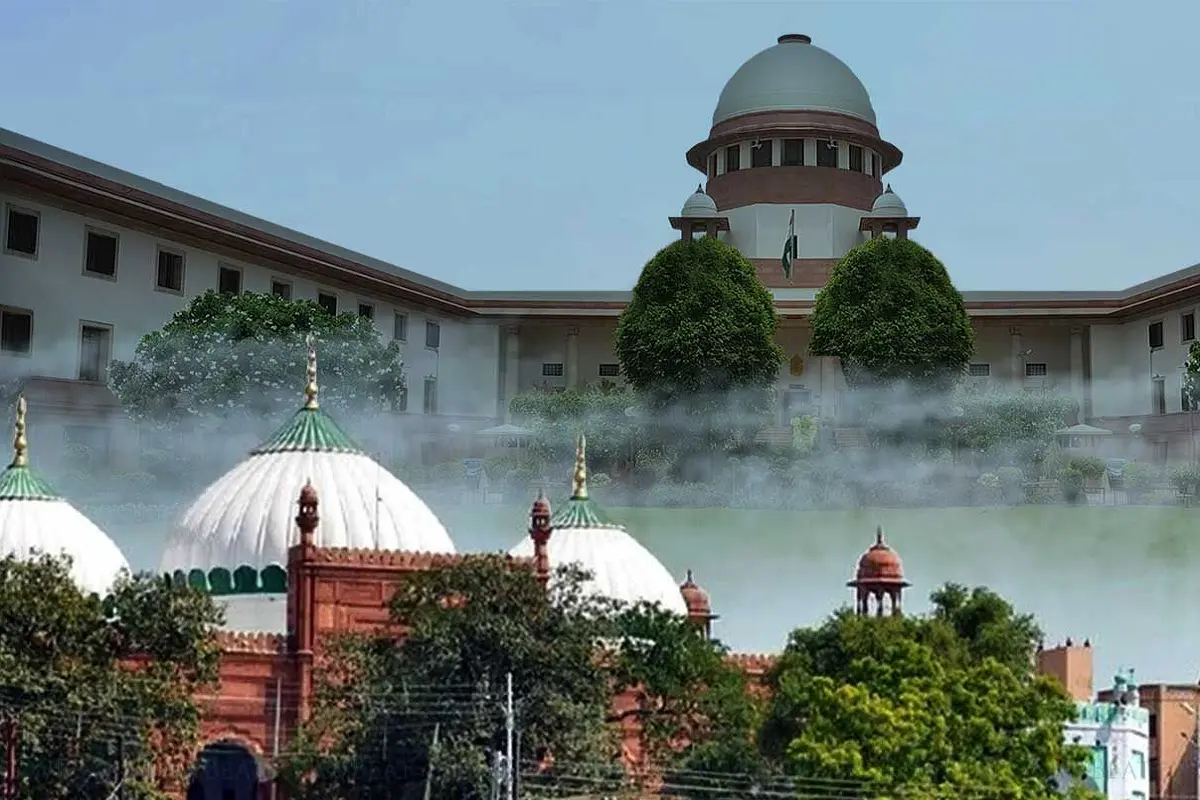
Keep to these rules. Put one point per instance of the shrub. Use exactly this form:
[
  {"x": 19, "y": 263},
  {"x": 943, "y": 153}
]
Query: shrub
[
  {"x": 1012, "y": 484},
  {"x": 1090, "y": 467},
  {"x": 1071, "y": 481},
  {"x": 1186, "y": 478},
  {"x": 989, "y": 489},
  {"x": 1140, "y": 478}
]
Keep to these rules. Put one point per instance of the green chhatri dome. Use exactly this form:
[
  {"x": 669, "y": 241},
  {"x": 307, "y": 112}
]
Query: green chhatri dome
[
  {"x": 309, "y": 430},
  {"x": 19, "y": 482}
]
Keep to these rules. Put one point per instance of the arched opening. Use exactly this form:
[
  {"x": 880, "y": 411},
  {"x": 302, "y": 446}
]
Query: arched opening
[{"x": 224, "y": 771}]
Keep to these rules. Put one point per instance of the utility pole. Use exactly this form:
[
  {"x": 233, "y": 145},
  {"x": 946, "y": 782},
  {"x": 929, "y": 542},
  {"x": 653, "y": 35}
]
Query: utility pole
[{"x": 509, "y": 726}]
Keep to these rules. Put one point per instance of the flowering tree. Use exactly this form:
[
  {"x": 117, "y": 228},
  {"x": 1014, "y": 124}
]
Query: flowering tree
[{"x": 245, "y": 354}]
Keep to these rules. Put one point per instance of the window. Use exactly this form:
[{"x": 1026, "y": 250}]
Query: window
[
  {"x": 793, "y": 153},
  {"x": 229, "y": 280},
  {"x": 876, "y": 169},
  {"x": 366, "y": 310},
  {"x": 1187, "y": 326},
  {"x": 400, "y": 327},
  {"x": 1153, "y": 733},
  {"x": 1137, "y": 763},
  {"x": 169, "y": 271},
  {"x": 16, "y": 331},
  {"x": 552, "y": 370},
  {"x": 1158, "y": 395},
  {"x": 433, "y": 335},
  {"x": 21, "y": 232},
  {"x": 281, "y": 289},
  {"x": 762, "y": 152},
  {"x": 733, "y": 158},
  {"x": 712, "y": 165},
  {"x": 328, "y": 302},
  {"x": 431, "y": 395},
  {"x": 1156, "y": 335},
  {"x": 979, "y": 370},
  {"x": 610, "y": 370},
  {"x": 1036, "y": 371},
  {"x": 95, "y": 351},
  {"x": 100, "y": 254},
  {"x": 856, "y": 158},
  {"x": 826, "y": 153}
]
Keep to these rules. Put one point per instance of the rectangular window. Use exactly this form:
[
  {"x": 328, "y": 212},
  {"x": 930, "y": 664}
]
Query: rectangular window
[
  {"x": 366, "y": 310},
  {"x": 16, "y": 331},
  {"x": 1187, "y": 326},
  {"x": 400, "y": 327},
  {"x": 281, "y": 289},
  {"x": 100, "y": 254},
  {"x": 1156, "y": 335},
  {"x": 610, "y": 370},
  {"x": 95, "y": 352},
  {"x": 430, "y": 396},
  {"x": 433, "y": 335},
  {"x": 712, "y": 165},
  {"x": 979, "y": 370},
  {"x": 1137, "y": 764},
  {"x": 826, "y": 153},
  {"x": 876, "y": 169},
  {"x": 856, "y": 158},
  {"x": 733, "y": 158},
  {"x": 328, "y": 302},
  {"x": 229, "y": 280},
  {"x": 1035, "y": 370},
  {"x": 793, "y": 153},
  {"x": 1158, "y": 395},
  {"x": 168, "y": 273},
  {"x": 761, "y": 153},
  {"x": 552, "y": 370},
  {"x": 21, "y": 232}
]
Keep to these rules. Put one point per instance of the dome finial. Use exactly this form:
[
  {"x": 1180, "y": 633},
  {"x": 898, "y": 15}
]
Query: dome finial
[
  {"x": 879, "y": 534},
  {"x": 310, "y": 390},
  {"x": 20, "y": 446},
  {"x": 579, "y": 480}
]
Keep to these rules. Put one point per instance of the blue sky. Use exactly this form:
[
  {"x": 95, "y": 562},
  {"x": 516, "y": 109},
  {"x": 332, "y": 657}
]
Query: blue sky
[{"x": 540, "y": 145}]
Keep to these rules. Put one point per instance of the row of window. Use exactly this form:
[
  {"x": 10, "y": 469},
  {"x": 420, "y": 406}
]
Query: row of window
[
  {"x": 791, "y": 153},
  {"x": 1187, "y": 330},
  {"x": 1032, "y": 370},
  {"x": 556, "y": 369}
]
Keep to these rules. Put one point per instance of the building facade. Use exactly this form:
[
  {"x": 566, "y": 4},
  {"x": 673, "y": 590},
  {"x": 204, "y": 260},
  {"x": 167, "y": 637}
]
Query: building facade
[{"x": 93, "y": 258}]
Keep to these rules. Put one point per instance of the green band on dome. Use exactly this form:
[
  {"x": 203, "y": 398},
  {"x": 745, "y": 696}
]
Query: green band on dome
[
  {"x": 580, "y": 513},
  {"x": 309, "y": 430},
  {"x": 245, "y": 580},
  {"x": 21, "y": 483}
]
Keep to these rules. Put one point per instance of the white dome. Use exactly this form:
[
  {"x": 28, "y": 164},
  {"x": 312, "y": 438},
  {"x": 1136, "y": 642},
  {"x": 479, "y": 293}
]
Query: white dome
[
  {"x": 247, "y": 516},
  {"x": 699, "y": 205},
  {"x": 889, "y": 204},
  {"x": 794, "y": 75},
  {"x": 622, "y": 569},
  {"x": 33, "y": 518}
]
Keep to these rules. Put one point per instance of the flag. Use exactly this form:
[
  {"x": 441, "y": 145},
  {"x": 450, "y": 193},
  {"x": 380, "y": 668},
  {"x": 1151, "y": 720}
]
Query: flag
[{"x": 789, "y": 246}]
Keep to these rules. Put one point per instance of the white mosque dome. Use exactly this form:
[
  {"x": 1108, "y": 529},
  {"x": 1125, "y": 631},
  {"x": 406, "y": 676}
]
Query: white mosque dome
[
  {"x": 245, "y": 518},
  {"x": 34, "y": 519},
  {"x": 889, "y": 204},
  {"x": 699, "y": 205},
  {"x": 622, "y": 569},
  {"x": 794, "y": 75}
]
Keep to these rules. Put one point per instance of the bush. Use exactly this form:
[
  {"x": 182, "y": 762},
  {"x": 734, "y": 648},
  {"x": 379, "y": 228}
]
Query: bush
[
  {"x": 1140, "y": 479},
  {"x": 989, "y": 489},
  {"x": 1090, "y": 467},
  {"x": 1012, "y": 485},
  {"x": 1071, "y": 481},
  {"x": 1186, "y": 478}
]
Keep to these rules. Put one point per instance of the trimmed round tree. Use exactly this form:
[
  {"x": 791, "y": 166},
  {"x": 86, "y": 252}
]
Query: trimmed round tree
[
  {"x": 700, "y": 326},
  {"x": 891, "y": 314}
]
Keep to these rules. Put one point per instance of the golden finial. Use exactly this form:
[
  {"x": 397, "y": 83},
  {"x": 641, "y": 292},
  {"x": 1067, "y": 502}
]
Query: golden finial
[
  {"x": 310, "y": 390},
  {"x": 579, "y": 482},
  {"x": 20, "y": 446}
]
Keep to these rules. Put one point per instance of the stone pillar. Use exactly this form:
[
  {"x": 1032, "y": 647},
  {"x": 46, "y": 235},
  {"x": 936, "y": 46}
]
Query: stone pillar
[
  {"x": 1078, "y": 385},
  {"x": 828, "y": 367},
  {"x": 512, "y": 368},
  {"x": 1018, "y": 361},
  {"x": 572, "y": 365}
]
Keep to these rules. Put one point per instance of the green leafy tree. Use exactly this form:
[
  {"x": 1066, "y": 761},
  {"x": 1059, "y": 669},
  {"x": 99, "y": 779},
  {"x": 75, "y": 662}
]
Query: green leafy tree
[
  {"x": 1191, "y": 378},
  {"x": 1007, "y": 427},
  {"x": 86, "y": 676},
  {"x": 382, "y": 700},
  {"x": 891, "y": 314},
  {"x": 700, "y": 325},
  {"x": 245, "y": 354},
  {"x": 925, "y": 707}
]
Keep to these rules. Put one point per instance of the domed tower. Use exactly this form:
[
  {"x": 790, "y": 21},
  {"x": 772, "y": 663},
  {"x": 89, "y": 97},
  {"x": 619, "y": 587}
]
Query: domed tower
[
  {"x": 888, "y": 215},
  {"x": 880, "y": 575},
  {"x": 794, "y": 129}
]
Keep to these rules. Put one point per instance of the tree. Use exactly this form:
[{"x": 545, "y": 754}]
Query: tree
[
  {"x": 700, "y": 325},
  {"x": 230, "y": 354},
  {"x": 927, "y": 707},
  {"x": 1191, "y": 378},
  {"x": 891, "y": 314},
  {"x": 86, "y": 677},
  {"x": 383, "y": 699}
]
